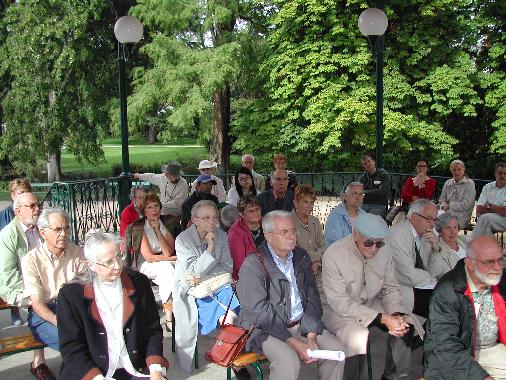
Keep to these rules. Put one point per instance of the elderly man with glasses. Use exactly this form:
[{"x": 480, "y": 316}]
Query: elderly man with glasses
[
  {"x": 278, "y": 294},
  {"x": 466, "y": 334},
  {"x": 45, "y": 270},
  {"x": 412, "y": 243},
  {"x": 16, "y": 239},
  {"x": 360, "y": 292}
]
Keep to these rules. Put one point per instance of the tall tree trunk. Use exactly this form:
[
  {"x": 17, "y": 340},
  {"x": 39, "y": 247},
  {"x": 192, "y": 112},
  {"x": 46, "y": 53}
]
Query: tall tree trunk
[
  {"x": 220, "y": 147},
  {"x": 54, "y": 167},
  {"x": 152, "y": 135}
]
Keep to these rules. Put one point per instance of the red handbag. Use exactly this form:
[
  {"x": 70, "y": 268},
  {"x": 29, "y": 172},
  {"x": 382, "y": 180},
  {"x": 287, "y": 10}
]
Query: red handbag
[{"x": 229, "y": 342}]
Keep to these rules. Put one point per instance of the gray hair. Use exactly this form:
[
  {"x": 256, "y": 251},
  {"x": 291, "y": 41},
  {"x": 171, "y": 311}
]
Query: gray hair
[
  {"x": 43, "y": 221},
  {"x": 229, "y": 214},
  {"x": 94, "y": 239},
  {"x": 444, "y": 220},
  {"x": 247, "y": 155},
  {"x": 136, "y": 188},
  {"x": 200, "y": 204},
  {"x": 20, "y": 199},
  {"x": 349, "y": 186},
  {"x": 418, "y": 205},
  {"x": 460, "y": 162},
  {"x": 269, "y": 219}
]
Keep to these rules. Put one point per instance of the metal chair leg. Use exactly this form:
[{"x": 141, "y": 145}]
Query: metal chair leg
[
  {"x": 229, "y": 373},
  {"x": 173, "y": 333},
  {"x": 258, "y": 369},
  {"x": 369, "y": 364},
  {"x": 196, "y": 356}
]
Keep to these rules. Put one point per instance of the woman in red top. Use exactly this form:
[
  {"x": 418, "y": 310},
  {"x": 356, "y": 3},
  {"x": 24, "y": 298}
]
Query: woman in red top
[{"x": 421, "y": 186}]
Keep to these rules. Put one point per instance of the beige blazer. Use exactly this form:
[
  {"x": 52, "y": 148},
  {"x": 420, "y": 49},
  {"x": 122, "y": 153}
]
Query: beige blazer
[
  {"x": 444, "y": 261},
  {"x": 355, "y": 290},
  {"x": 401, "y": 243}
]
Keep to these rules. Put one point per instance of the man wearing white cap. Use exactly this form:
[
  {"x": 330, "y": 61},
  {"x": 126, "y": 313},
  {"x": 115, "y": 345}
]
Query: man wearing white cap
[
  {"x": 173, "y": 187},
  {"x": 359, "y": 292},
  {"x": 207, "y": 167}
]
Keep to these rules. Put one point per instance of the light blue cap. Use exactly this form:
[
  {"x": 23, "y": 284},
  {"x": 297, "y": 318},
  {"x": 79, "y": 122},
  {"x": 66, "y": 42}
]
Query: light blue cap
[{"x": 371, "y": 226}]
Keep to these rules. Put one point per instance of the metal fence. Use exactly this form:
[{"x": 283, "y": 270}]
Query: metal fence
[{"x": 94, "y": 203}]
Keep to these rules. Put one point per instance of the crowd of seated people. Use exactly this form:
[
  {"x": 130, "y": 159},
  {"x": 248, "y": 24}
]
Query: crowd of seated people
[{"x": 300, "y": 290}]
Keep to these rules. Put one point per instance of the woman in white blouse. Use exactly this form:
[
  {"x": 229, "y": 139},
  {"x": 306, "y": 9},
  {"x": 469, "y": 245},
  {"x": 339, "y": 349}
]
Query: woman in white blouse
[
  {"x": 157, "y": 251},
  {"x": 452, "y": 248},
  {"x": 243, "y": 185}
]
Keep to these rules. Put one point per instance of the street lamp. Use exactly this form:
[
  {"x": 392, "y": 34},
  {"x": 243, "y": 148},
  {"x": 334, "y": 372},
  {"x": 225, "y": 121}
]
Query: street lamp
[
  {"x": 373, "y": 23},
  {"x": 128, "y": 30}
]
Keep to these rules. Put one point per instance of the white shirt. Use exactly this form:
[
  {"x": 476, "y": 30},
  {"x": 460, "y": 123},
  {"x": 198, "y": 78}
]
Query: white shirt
[
  {"x": 109, "y": 298},
  {"x": 172, "y": 195},
  {"x": 492, "y": 194}
]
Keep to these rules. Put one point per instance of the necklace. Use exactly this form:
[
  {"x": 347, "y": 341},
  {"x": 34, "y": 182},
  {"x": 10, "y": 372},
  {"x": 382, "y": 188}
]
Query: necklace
[{"x": 256, "y": 234}]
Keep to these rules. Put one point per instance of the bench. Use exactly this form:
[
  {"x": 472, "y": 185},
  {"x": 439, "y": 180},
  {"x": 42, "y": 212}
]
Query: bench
[
  {"x": 248, "y": 358},
  {"x": 14, "y": 344},
  {"x": 11, "y": 345}
]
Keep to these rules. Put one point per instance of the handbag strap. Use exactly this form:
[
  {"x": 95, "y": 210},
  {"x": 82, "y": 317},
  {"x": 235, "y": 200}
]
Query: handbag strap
[
  {"x": 228, "y": 307},
  {"x": 267, "y": 277}
]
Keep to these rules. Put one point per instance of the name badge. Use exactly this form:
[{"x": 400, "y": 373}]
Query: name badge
[{"x": 377, "y": 182}]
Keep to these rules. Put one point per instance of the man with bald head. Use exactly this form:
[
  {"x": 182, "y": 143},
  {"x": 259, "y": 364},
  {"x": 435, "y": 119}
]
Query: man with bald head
[
  {"x": 248, "y": 161},
  {"x": 466, "y": 330},
  {"x": 279, "y": 197}
]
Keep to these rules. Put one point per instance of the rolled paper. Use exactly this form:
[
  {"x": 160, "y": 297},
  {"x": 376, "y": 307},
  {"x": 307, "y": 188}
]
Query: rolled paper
[{"x": 326, "y": 354}]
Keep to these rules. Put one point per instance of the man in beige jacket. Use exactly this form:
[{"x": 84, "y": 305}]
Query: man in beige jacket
[{"x": 360, "y": 291}]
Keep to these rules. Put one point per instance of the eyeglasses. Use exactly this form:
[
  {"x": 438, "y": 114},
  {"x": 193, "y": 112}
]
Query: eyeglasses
[
  {"x": 428, "y": 218},
  {"x": 356, "y": 194},
  {"x": 110, "y": 263},
  {"x": 33, "y": 206},
  {"x": 208, "y": 218},
  {"x": 369, "y": 243},
  {"x": 488, "y": 263},
  {"x": 59, "y": 230},
  {"x": 283, "y": 233}
]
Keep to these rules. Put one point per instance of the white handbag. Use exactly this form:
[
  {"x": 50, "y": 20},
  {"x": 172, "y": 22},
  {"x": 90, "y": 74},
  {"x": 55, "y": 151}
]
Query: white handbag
[{"x": 208, "y": 287}]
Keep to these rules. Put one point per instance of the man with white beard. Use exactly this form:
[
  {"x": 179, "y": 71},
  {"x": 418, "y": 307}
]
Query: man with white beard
[{"x": 466, "y": 330}]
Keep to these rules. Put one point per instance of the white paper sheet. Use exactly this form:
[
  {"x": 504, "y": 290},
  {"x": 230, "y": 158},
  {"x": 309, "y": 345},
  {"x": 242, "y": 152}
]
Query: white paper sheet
[{"x": 326, "y": 354}]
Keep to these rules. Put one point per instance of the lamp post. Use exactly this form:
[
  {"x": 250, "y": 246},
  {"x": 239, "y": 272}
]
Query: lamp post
[
  {"x": 373, "y": 23},
  {"x": 128, "y": 30}
]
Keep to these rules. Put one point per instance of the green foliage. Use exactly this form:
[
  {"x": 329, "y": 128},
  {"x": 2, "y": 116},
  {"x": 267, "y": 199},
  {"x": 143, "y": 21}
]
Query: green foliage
[{"x": 60, "y": 54}]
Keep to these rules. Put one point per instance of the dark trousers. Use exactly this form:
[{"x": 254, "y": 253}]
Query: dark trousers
[
  {"x": 397, "y": 361},
  {"x": 121, "y": 374},
  {"x": 422, "y": 299}
]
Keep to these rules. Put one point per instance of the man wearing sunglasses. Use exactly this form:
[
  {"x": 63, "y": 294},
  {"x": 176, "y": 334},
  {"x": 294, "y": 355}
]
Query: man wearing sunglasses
[
  {"x": 412, "y": 244},
  {"x": 466, "y": 330},
  {"x": 360, "y": 292}
]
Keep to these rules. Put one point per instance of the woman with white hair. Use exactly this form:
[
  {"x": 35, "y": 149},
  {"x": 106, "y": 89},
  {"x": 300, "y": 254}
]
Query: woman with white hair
[
  {"x": 202, "y": 253},
  {"x": 108, "y": 321},
  {"x": 458, "y": 194},
  {"x": 452, "y": 248}
]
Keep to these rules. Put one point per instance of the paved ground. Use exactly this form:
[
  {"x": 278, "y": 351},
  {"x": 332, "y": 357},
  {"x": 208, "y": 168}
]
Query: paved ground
[{"x": 16, "y": 367}]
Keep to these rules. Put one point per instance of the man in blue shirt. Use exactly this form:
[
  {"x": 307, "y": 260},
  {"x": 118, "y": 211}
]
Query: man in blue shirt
[{"x": 16, "y": 187}]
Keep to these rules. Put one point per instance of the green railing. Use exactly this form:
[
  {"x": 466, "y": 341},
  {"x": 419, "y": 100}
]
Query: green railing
[{"x": 94, "y": 203}]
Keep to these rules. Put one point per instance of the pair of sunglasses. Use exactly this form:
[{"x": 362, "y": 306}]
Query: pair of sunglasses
[{"x": 369, "y": 243}]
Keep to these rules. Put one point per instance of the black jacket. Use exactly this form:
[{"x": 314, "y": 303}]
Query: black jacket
[
  {"x": 186, "y": 208},
  {"x": 451, "y": 329},
  {"x": 376, "y": 193},
  {"x": 267, "y": 305},
  {"x": 268, "y": 204},
  {"x": 82, "y": 335}
]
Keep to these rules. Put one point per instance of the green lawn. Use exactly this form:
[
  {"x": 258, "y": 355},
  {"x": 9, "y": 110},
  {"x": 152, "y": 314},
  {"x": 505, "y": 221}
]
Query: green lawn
[{"x": 147, "y": 154}]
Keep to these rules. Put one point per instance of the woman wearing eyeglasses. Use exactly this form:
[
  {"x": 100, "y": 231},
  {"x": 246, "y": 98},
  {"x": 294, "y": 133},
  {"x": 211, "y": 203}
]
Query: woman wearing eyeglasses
[
  {"x": 452, "y": 248},
  {"x": 108, "y": 322},
  {"x": 243, "y": 185},
  {"x": 202, "y": 253},
  {"x": 153, "y": 252}
]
